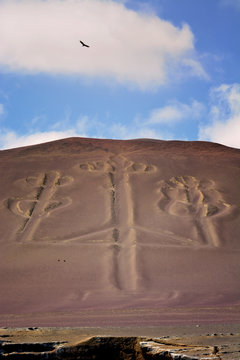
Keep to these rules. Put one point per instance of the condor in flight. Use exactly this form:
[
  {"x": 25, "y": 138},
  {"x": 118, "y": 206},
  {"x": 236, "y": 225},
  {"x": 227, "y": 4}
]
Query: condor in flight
[{"x": 83, "y": 44}]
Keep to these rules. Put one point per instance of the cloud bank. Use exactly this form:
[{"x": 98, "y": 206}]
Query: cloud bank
[
  {"x": 174, "y": 112},
  {"x": 10, "y": 139},
  {"x": 223, "y": 123},
  {"x": 84, "y": 126},
  {"x": 131, "y": 47},
  {"x": 224, "y": 116}
]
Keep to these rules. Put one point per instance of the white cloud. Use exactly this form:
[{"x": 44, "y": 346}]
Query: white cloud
[
  {"x": 224, "y": 116},
  {"x": 195, "y": 68},
  {"x": 175, "y": 112},
  {"x": 129, "y": 46},
  {"x": 10, "y": 139},
  {"x": 83, "y": 123},
  {"x": 84, "y": 127},
  {"x": 137, "y": 131}
]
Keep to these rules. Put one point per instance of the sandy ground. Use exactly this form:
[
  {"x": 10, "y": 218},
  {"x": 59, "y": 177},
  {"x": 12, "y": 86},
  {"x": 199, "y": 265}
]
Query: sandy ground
[
  {"x": 209, "y": 333},
  {"x": 119, "y": 233}
]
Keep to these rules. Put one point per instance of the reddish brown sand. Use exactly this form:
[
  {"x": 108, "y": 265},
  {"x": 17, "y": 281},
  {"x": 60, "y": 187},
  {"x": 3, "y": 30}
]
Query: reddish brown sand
[{"x": 119, "y": 233}]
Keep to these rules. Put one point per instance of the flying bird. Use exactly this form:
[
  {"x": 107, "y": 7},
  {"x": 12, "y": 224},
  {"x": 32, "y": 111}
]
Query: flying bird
[{"x": 83, "y": 43}]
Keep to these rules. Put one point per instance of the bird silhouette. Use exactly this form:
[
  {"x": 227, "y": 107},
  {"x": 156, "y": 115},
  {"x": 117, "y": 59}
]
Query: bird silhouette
[{"x": 83, "y": 44}]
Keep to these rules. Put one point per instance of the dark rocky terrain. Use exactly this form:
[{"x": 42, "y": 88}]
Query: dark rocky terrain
[{"x": 81, "y": 344}]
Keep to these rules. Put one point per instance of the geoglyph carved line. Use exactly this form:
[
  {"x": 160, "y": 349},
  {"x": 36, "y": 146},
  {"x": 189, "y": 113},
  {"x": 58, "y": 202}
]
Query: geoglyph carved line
[
  {"x": 123, "y": 237},
  {"x": 113, "y": 196},
  {"x": 20, "y": 207},
  {"x": 126, "y": 240},
  {"x": 101, "y": 166},
  {"x": 88, "y": 237},
  {"x": 141, "y": 168},
  {"x": 187, "y": 197},
  {"x": 165, "y": 238},
  {"x": 43, "y": 196},
  {"x": 118, "y": 169},
  {"x": 34, "y": 210}
]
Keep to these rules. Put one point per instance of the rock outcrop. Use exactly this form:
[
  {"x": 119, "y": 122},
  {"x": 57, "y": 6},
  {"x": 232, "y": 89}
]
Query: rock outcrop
[{"x": 117, "y": 348}]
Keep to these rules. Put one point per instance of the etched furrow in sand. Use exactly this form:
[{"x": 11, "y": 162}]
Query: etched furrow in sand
[
  {"x": 123, "y": 235},
  {"x": 38, "y": 210},
  {"x": 198, "y": 201}
]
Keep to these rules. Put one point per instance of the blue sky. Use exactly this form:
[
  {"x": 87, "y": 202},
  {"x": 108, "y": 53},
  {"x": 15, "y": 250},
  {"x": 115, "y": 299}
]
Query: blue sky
[{"x": 164, "y": 69}]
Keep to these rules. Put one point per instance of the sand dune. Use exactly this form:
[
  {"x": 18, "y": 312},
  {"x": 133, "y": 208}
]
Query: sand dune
[{"x": 131, "y": 226}]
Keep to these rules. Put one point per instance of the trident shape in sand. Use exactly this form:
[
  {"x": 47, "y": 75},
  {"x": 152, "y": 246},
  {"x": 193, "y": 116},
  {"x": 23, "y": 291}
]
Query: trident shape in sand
[
  {"x": 117, "y": 169},
  {"x": 199, "y": 201},
  {"x": 34, "y": 210},
  {"x": 121, "y": 223}
]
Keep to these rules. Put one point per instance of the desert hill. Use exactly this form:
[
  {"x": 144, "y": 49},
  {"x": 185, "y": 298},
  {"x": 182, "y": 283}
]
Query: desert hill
[{"x": 119, "y": 232}]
